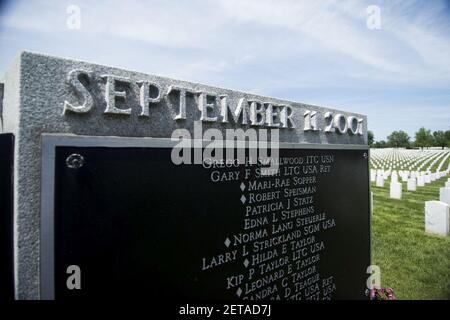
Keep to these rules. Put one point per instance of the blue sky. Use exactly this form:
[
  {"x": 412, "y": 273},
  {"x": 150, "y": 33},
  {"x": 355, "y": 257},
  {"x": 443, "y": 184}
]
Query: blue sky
[{"x": 318, "y": 52}]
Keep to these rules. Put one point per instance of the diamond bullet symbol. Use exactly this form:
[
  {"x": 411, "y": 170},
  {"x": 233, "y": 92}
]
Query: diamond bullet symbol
[
  {"x": 227, "y": 242},
  {"x": 243, "y": 199},
  {"x": 239, "y": 292},
  {"x": 242, "y": 186},
  {"x": 246, "y": 262}
]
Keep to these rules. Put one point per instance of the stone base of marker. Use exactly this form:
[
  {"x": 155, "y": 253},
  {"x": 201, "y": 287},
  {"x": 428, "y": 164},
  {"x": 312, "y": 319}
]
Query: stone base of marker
[
  {"x": 412, "y": 185},
  {"x": 444, "y": 195},
  {"x": 396, "y": 190},
  {"x": 437, "y": 218}
]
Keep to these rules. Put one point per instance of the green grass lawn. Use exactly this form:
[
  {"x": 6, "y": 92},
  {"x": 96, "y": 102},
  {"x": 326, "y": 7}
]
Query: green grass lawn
[
  {"x": 444, "y": 166},
  {"x": 415, "y": 264}
]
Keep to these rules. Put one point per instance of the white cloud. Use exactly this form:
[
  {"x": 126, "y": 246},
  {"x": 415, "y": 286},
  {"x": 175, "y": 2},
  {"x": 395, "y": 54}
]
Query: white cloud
[
  {"x": 319, "y": 52},
  {"x": 324, "y": 22},
  {"x": 333, "y": 28},
  {"x": 282, "y": 38},
  {"x": 328, "y": 26}
]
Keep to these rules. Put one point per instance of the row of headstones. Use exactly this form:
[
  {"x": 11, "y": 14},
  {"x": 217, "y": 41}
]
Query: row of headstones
[
  {"x": 437, "y": 213},
  {"x": 413, "y": 179},
  {"x": 442, "y": 161},
  {"x": 417, "y": 162},
  {"x": 411, "y": 159}
]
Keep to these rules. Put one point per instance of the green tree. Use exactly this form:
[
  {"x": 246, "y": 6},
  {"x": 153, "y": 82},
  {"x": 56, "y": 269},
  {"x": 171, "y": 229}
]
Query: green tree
[
  {"x": 424, "y": 138},
  {"x": 370, "y": 137},
  {"x": 380, "y": 144},
  {"x": 447, "y": 137},
  {"x": 440, "y": 139},
  {"x": 398, "y": 139}
]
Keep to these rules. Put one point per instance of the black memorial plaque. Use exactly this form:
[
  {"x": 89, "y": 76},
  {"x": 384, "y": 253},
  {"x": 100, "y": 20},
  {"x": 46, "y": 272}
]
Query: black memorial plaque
[
  {"x": 6, "y": 216},
  {"x": 139, "y": 226}
]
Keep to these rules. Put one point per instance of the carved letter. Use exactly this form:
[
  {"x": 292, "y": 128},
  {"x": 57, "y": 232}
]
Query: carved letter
[
  {"x": 352, "y": 124},
  {"x": 328, "y": 122},
  {"x": 360, "y": 127},
  {"x": 340, "y": 123},
  {"x": 240, "y": 109},
  {"x": 182, "y": 104},
  {"x": 224, "y": 107},
  {"x": 271, "y": 115},
  {"x": 286, "y": 115},
  {"x": 204, "y": 106},
  {"x": 111, "y": 94},
  {"x": 257, "y": 108},
  {"x": 74, "y": 81},
  {"x": 144, "y": 97},
  {"x": 310, "y": 121}
]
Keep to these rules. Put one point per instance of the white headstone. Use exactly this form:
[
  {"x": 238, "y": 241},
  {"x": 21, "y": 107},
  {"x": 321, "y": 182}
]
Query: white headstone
[
  {"x": 447, "y": 184},
  {"x": 412, "y": 185},
  {"x": 371, "y": 202},
  {"x": 405, "y": 177},
  {"x": 444, "y": 195},
  {"x": 427, "y": 178},
  {"x": 380, "y": 181},
  {"x": 396, "y": 190},
  {"x": 394, "y": 177},
  {"x": 420, "y": 181},
  {"x": 373, "y": 176},
  {"x": 437, "y": 218}
]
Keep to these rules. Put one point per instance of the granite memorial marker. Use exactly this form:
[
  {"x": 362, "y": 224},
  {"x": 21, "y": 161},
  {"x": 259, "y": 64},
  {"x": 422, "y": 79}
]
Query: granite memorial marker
[
  {"x": 6, "y": 219},
  {"x": 97, "y": 194}
]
